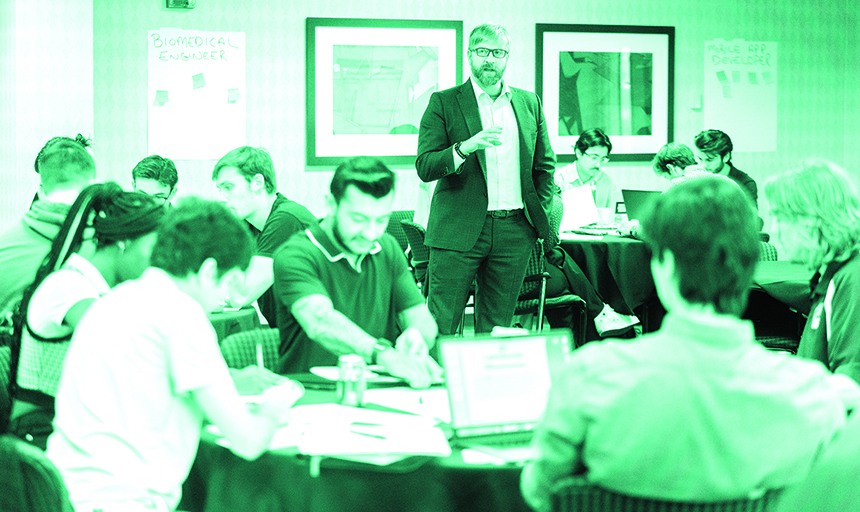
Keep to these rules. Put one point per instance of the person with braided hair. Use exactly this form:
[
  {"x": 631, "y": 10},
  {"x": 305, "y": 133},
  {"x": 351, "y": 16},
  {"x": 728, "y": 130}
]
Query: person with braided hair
[{"x": 66, "y": 285}]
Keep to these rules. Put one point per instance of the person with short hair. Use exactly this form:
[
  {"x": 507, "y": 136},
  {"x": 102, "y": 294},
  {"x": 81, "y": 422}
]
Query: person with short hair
[
  {"x": 65, "y": 168},
  {"x": 144, "y": 371},
  {"x": 485, "y": 145},
  {"x": 156, "y": 176},
  {"x": 816, "y": 221},
  {"x": 245, "y": 179},
  {"x": 697, "y": 411},
  {"x": 714, "y": 153},
  {"x": 592, "y": 150},
  {"x": 66, "y": 285},
  {"x": 343, "y": 287}
]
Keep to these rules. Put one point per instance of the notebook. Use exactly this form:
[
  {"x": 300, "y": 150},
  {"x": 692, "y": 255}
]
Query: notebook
[
  {"x": 498, "y": 388},
  {"x": 637, "y": 202}
]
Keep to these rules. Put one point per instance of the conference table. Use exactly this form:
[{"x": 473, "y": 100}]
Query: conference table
[
  {"x": 619, "y": 268},
  {"x": 281, "y": 480}
]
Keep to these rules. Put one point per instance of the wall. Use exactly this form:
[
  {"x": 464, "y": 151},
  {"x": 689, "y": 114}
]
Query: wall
[
  {"x": 819, "y": 112},
  {"x": 45, "y": 89}
]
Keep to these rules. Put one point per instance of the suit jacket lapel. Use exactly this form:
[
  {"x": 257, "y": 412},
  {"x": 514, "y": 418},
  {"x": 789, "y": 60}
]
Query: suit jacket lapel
[{"x": 469, "y": 108}]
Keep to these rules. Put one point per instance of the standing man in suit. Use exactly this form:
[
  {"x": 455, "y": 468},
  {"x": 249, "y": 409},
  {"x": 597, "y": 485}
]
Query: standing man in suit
[{"x": 486, "y": 146}]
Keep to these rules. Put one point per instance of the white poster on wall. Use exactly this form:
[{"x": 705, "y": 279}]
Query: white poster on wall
[
  {"x": 195, "y": 93},
  {"x": 740, "y": 92}
]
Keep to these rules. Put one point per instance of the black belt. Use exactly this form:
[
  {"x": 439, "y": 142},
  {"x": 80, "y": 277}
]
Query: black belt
[{"x": 501, "y": 214}]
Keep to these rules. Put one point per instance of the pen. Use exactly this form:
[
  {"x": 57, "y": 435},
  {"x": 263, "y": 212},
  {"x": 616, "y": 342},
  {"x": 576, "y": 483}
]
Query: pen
[{"x": 368, "y": 434}]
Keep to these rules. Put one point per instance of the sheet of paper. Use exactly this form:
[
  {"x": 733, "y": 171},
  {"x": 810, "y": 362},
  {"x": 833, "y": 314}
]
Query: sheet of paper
[
  {"x": 432, "y": 403},
  {"x": 579, "y": 208}
]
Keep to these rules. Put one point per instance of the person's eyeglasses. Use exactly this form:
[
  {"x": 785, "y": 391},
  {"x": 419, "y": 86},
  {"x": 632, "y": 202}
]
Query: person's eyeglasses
[
  {"x": 485, "y": 52},
  {"x": 597, "y": 158}
]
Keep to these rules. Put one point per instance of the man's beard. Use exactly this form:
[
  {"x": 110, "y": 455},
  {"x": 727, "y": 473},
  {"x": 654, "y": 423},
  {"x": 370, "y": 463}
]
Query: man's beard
[
  {"x": 488, "y": 76},
  {"x": 335, "y": 229}
]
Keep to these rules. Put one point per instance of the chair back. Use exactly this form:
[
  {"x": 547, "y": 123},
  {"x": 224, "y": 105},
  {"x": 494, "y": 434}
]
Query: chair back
[
  {"x": 240, "y": 349},
  {"x": 767, "y": 251},
  {"x": 395, "y": 228},
  {"x": 576, "y": 494},
  {"x": 5, "y": 387},
  {"x": 419, "y": 254},
  {"x": 28, "y": 479}
]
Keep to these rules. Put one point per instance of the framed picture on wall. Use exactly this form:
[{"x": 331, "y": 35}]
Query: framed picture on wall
[
  {"x": 369, "y": 82},
  {"x": 619, "y": 78}
]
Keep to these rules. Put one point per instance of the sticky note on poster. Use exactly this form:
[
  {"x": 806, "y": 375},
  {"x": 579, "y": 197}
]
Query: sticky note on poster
[
  {"x": 198, "y": 81},
  {"x": 161, "y": 98},
  {"x": 233, "y": 95},
  {"x": 740, "y": 92}
]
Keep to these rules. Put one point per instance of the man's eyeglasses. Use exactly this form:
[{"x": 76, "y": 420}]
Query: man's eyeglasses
[
  {"x": 596, "y": 158},
  {"x": 485, "y": 52}
]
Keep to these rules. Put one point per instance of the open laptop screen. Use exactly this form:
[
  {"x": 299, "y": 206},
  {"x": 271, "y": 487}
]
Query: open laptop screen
[{"x": 501, "y": 381}]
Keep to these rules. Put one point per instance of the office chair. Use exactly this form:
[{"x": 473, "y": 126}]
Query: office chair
[
  {"x": 576, "y": 494},
  {"x": 240, "y": 349},
  {"x": 536, "y": 277},
  {"x": 395, "y": 228}
]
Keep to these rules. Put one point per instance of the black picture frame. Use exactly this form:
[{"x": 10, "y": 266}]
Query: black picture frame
[{"x": 619, "y": 78}]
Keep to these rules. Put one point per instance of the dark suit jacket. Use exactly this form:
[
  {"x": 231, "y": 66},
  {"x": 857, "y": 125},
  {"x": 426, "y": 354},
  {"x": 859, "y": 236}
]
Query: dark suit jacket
[{"x": 459, "y": 204}]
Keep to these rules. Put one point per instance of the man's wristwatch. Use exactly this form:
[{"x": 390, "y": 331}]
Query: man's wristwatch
[
  {"x": 380, "y": 346},
  {"x": 458, "y": 151}
]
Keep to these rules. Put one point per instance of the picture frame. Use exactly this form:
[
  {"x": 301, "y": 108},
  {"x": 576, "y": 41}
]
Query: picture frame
[
  {"x": 369, "y": 82},
  {"x": 619, "y": 78}
]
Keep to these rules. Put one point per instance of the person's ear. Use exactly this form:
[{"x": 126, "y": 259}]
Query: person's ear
[
  {"x": 208, "y": 272},
  {"x": 258, "y": 183},
  {"x": 171, "y": 194},
  {"x": 331, "y": 205}
]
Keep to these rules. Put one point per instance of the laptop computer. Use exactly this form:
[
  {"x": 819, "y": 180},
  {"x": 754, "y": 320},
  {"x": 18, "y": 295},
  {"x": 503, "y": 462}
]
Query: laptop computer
[
  {"x": 498, "y": 388},
  {"x": 637, "y": 202}
]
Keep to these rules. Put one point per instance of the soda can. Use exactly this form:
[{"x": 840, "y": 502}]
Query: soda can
[{"x": 351, "y": 382}]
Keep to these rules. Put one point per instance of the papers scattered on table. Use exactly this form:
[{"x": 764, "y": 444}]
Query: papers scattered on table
[
  {"x": 334, "y": 430},
  {"x": 352, "y": 433},
  {"x": 432, "y": 403},
  {"x": 575, "y": 236},
  {"x": 370, "y": 374}
]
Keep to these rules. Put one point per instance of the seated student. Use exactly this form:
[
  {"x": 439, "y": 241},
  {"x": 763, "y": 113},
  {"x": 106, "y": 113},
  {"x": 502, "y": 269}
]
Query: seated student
[
  {"x": 567, "y": 277},
  {"x": 676, "y": 163},
  {"x": 41, "y": 156},
  {"x": 65, "y": 169},
  {"x": 144, "y": 371},
  {"x": 698, "y": 411},
  {"x": 592, "y": 151},
  {"x": 816, "y": 220},
  {"x": 66, "y": 285},
  {"x": 156, "y": 176},
  {"x": 343, "y": 286},
  {"x": 245, "y": 179}
]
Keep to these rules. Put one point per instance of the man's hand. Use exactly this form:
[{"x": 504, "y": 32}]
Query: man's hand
[
  {"x": 420, "y": 371},
  {"x": 412, "y": 342},
  {"x": 486, "y": 138},
  {"x": 253, "y": 380}
]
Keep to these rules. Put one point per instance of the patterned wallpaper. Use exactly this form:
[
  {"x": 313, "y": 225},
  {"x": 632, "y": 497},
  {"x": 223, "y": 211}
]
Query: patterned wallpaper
[{"x": 818, "y": 107}]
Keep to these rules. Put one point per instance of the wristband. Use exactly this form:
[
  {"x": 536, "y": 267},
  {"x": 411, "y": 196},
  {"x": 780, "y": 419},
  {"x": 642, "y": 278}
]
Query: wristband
[
  {"x": 458, "y": 151},
  {"x": 379, "y": 347}
]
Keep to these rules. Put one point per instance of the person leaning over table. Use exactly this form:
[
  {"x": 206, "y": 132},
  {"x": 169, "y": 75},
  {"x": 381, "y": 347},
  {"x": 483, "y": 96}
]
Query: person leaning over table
[
  {"x": 67, "y": 283},
  {"x": 245, "y": 179},
  {"x": 156, "y": 176},
  {"x": 816, "y": 221},
  {"x": 144, "y": 371},
  {"x": 697, "y": 411},
  {"x": 592, "y": 150},
  {"x": 344, "y": 287}
]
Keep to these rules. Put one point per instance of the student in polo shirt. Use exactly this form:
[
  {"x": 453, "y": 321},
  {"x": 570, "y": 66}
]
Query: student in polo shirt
[{"x": 343, "y": 287}]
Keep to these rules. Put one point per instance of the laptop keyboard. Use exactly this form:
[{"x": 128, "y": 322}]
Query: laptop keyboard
[{"x": 503, "y": 441}]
